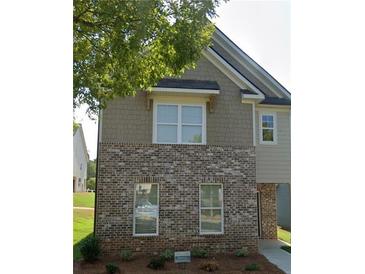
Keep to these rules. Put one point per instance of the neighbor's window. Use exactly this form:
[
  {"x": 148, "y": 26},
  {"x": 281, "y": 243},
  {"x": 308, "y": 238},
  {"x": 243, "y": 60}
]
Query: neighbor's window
[
  {"x": 211, "y": 209},
  {"x": 146, "y": 209},
  {"x": 268, "y": 128},
  {"x": 179, "y": 124}
]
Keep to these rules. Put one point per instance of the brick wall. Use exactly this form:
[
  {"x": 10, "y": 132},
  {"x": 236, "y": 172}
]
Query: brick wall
[
  {"x": 179, "y": 169},
  {"x": 268, "y": 210}
]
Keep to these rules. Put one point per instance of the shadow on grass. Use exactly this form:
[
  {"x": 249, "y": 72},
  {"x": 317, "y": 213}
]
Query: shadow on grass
[{"x": 76, "y": 248}]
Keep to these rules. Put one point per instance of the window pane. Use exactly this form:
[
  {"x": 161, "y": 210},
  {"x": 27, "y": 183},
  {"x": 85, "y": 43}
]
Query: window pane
[
  {"x": 211, "y": 196},
  {"x": 146, "y": 209},
  {"x": 268, "y": 121},
  {"x": 146, "y": 194},
  {"x": 267, "y": 118},
  {"x": 191, "y": 115},
  {"x": 268, "y": 134},
  {"x": 268, "y": 124},
  {"x": 191, "y": 134},
  {"x": 166, "y": 134},
  {"x": 166, "y": 114},
  {"x": 211, "y": 220}
]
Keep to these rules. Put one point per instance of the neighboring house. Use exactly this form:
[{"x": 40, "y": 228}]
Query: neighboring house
[
  {"x": 80, "y": 160},
  {"x": 196, "y": 162}
]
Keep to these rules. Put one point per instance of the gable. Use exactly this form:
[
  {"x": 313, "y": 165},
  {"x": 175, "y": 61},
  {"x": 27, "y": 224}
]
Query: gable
[
  {"x": 246, "y": 66},
  {"x": 79, "y": 140},
  {"x": 206, "y": 71}
]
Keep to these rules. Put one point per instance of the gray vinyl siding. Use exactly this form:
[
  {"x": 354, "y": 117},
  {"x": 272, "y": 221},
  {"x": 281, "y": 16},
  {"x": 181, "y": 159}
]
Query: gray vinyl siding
[
  {"x": 126, "y": 120},
  {"x": 283, "y": 205},
  {"x": 273, "y": 161}
]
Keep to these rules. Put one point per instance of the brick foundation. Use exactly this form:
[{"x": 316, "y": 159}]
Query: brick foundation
[
  {"x": 179, "y": 169},
  {"x": 268, "y": 210}
]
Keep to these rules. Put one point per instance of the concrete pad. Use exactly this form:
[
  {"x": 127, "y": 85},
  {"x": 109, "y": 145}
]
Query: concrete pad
[{"x": 272, "y": 251}]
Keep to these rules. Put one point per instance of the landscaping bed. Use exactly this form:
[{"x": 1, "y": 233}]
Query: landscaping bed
[{"x": 228, "y": 264}]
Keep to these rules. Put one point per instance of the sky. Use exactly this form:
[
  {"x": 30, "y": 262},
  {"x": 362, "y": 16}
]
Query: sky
[{"x": 259, "y": 28}]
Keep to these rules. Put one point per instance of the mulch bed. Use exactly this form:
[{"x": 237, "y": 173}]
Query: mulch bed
[{"x": 228, "y": 264}]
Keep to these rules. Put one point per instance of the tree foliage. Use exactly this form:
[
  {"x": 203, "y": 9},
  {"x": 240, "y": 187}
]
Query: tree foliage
[
  {"x": 91, "y": 168},
  {"x": 75, "y": 126},
  {"x": 90, "y": 183},
  {"x": 124, "y": 46}
]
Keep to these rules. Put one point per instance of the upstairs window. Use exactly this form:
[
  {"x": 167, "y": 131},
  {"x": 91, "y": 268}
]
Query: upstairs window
[
  {"x": 268, "y": 128},
  {"x": 179, "y": 123}
]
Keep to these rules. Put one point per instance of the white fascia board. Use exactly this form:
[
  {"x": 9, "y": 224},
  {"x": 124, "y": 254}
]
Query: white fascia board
[
  {"x": 230, "y": 72},
  {"x": 186, "y": 90},
  {"x": 253, "y": 64},
  {"x": 277, "y": 108},
  {"x": 252, "y": 96}
]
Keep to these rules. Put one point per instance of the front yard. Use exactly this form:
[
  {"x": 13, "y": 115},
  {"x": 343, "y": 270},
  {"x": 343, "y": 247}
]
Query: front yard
[{"x": 84, "y": 199}]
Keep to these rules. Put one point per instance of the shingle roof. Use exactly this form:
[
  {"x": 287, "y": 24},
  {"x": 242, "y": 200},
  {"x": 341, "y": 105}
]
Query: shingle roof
[
  {"x": 276, "y": 101},
  {"x": 249, "y": 57},
  {"x": 188, "y": 84}
]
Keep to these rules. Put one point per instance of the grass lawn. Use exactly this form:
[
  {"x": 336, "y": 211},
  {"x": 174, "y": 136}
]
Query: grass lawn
[
  {"x": 83, "y": 227},
  {"x": 84, "y": 199},
  {"x": 284, "y": 235}
]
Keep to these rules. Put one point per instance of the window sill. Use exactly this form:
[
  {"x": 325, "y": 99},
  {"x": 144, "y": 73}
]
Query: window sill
[
  {"x": 145, "y": 235},
  {"x": 211, "y": 234},
  {"x": 268, "y": 143},
  {"x": 193, "y": 144}
]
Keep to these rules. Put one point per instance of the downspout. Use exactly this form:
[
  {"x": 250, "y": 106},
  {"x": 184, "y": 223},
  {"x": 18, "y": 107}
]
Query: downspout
[{"x": 97, "y": 168}]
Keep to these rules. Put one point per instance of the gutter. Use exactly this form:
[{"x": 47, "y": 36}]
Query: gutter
[{"x": 96, "y": 173}]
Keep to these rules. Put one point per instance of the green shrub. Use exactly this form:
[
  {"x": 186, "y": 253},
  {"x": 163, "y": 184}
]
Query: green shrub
[
  {"x": 167, "y": 255},
  {"x": 126, "y": 255},
  {"x": 209, "y": 266},
  {"x": 90, "y": 249},
  {"x": 198, "y": 252},
  {"x": 243, "y": 252},
  {"x": 156, "y": 263},
  {"x": 111, "y": 268},
  {"x": 252, "y": 267}
]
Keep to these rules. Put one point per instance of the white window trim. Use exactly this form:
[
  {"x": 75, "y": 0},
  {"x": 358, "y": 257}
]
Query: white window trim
[
  {"x": 275, "y": 141},
  {"x": 134, "y": 211},
  {"x": 179, "y": 122},
  {"x": 200, "y": 211}
]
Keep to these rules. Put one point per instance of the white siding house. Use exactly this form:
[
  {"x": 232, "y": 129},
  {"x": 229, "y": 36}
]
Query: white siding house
[{"x": 80, "y": 160}]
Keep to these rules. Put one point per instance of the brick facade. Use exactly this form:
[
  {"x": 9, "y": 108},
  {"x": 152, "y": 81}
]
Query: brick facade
[
  {"x": 179, "y": 169},
  {"x": 268, "y": 210}
]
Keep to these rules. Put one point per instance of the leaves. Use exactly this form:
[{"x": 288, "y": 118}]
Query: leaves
[{"x": 121, "y": 47}]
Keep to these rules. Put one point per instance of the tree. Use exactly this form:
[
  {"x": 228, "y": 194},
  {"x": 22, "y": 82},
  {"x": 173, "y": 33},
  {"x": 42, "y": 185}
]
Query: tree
[
  {"x": 124, "y": 46},
  {"x": 91, "y": 168},
  {"x": 90, "y": 183},
  {"x": 75, "y": 126}
]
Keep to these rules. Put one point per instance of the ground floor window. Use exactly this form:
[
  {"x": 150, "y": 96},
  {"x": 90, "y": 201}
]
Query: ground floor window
[
  {"x": 211, "y": 209},
  {"x": 146, "y": 208}
]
